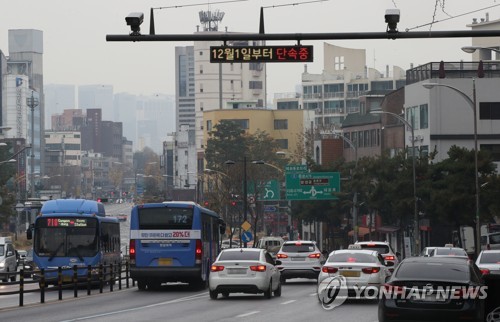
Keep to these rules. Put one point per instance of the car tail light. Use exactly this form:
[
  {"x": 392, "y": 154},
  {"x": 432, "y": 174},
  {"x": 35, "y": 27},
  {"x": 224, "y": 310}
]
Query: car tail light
[
  {"x": 371, "y": 270},
  {"x": 315, "y": 255},
  {"x": 258, "y": 268},
  {"x": 329, "y": 270},
  {"x": 216, "y": 268},
  {"x": 485, "y": 271},
  {"x": 282, "y": 256},
  {"x": 132, "y": 251},
  {"x": 390, "y": 258},
  {"x": 198, "y": 251},
  {"x": 370, "y": 244}
]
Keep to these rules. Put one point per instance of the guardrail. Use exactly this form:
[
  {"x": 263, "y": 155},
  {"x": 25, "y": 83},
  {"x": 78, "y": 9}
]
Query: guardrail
[{"x": 107, "y": 274}]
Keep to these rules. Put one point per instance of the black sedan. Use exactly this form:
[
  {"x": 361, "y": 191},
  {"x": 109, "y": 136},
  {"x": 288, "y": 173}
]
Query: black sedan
[{"x": 433, "y": 289}]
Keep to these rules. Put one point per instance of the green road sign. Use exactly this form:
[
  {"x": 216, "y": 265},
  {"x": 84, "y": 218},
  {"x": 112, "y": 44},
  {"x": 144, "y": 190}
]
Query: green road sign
[
  {"x": 296, "y": 168},
  {"x": 312, "y": 186},
  {"x": 270, "y": 190},
  {"x": 267, "y": 190}
]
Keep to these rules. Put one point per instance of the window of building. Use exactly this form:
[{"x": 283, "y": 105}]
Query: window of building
[
  {"x": 201, "y": 69},
  {"x": 242, "y": 123},
  {"x": 201, "y": 53},
  {"x": 424, "y": 151},
  {"x": 489, "y": 110},
  {"x": 282, "y": 143},
  {"x": 281, "y": 124},
  {"x": 424, "y": 116},
  {"x": 292, "y": 105},
  {"x": 339, "y": 63},
  {"x": 255, "y": 84},
  {"x": 494, "y": 149},
  {"x": 201, "y": 88},
  {"x": 209, "y": 125}
]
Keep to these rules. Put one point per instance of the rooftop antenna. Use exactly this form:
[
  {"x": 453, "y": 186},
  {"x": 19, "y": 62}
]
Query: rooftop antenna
[{"x": 211, "y": 19}]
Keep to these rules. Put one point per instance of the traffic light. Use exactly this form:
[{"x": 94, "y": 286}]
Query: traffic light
[
  {"x": 233, "y": 203},
  {"x": 206, "y": 203}
]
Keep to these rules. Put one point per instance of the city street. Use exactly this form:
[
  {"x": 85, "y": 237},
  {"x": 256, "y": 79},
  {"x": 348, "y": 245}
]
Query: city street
[{"x": 180, "y": 303}]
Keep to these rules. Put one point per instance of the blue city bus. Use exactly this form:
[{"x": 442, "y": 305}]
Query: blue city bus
[
  {"x": 173, "y": 242},
  {"x": 70, "y": 232}
]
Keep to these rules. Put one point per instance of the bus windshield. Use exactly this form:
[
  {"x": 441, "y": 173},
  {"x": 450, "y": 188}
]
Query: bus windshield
[
  {"x": 165, "y": 218},
  {"x": 62, "y": 237}
]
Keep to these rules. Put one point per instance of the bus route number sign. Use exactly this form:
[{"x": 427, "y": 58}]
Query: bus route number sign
[{"x": 264, "y": 54}]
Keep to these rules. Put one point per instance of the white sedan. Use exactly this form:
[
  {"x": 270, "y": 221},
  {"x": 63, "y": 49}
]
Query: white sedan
[
  {"x": 488, "y": 262},
  {"x": 244, "y": 270},
  {"x": 360, "y": 270}
]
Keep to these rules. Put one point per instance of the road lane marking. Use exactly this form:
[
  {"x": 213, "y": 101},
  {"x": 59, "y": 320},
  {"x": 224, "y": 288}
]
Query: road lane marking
[
  {"x": 182, "y": 299},
  {"x": 313, "y": 294},
  {"x": 247, "y": 314},
  {"x": 288, "y": 302}
]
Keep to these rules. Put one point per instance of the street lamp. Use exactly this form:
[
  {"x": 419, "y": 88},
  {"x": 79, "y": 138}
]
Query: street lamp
[
  {"x": 473, "y": 105},
  {"x": 245, "y": 192},
  {"x": 32, "y": 102},
  {"x": 355, "y": 196},
  {"x": 8, "y": 161},
  {"x": 472, "y": 49},
  {"x": 416, "y": 228}
]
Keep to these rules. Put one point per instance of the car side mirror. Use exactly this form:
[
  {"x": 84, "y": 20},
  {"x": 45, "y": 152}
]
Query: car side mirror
[
  {"x": 398, "y": 254},
  {"x": 10, "y": 253},
  {"x": 277, "y": 262}
]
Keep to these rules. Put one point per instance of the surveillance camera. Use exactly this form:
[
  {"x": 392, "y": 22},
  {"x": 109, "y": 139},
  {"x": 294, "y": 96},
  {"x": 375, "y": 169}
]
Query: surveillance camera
[
  {"x": 134, "y": 20},
  {"x": 392, "y": 19}
]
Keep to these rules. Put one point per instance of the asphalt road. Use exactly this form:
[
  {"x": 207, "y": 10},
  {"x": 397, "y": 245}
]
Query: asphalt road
[{"x": 180, "y": 303}]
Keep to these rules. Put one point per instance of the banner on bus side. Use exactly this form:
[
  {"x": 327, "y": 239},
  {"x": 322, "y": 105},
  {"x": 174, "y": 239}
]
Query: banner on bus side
[{"x": 165, "y": 234}]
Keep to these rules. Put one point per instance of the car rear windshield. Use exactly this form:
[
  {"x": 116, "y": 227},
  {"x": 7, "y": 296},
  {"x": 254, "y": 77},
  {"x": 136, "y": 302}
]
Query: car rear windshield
[
  {"x": 298, "y": 248},
  {"x": 352, "y": 258},
  {"x": 433, "y": 271},
  {"x": 381, "y": 249},
  {"x": 490, "y": 258},
  {"x": 495, "y": 239},
  {"x": 450, "y": 252},
  {"x": 239, "y": 255}
]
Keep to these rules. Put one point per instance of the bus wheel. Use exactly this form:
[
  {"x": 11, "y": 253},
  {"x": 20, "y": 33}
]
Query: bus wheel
[
  {"x": 141, "y": 285},
  {"x": 213, "y": 294}
]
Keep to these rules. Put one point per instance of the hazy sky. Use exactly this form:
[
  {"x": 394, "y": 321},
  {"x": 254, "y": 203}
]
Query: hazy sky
[{"x": 76, "y": 51}]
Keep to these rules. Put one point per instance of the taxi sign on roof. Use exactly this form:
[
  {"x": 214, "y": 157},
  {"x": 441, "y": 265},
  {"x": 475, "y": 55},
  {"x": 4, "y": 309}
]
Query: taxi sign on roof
[{"x": 354, "y": 246}]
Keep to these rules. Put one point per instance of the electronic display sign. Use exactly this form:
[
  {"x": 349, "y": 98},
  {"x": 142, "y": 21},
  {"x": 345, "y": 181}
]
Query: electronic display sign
[
  {"x": 263, "y": 54},
  {"x": 62, "y": 222}
]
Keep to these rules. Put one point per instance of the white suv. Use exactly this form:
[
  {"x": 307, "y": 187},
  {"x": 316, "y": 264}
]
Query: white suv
[
  {"x": 384, "y": 249},
  {"x": 299, "y": 258}
]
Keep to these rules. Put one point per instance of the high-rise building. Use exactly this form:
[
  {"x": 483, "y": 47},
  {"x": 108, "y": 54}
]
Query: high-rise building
[
  {"x": 58, "y": 97},
  {"x": 97, "y": 96},
  {"x": 23, "y": 80},
  {"x": 184, "y": 87}
]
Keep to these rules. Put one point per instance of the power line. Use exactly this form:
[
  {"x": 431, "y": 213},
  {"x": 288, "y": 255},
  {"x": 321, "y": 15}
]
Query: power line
[
  {"x": 199, "y": 4},
  {"x": 452, "y": 17}
]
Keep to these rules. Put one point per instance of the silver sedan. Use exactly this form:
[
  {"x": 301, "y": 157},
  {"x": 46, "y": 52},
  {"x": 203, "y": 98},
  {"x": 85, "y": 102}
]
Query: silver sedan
[
  {"x": 488, "y": 262},
  {"x": 359, "y": 269},
  {"x": 244, "y": 270}
]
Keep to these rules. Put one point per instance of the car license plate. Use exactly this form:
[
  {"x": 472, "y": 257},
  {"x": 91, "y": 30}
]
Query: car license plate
[
  {"x": 165, "y": 261},
  {"x": 236, "y": 270},
  {"x": 429, "y": 298},
  {"x": 349, "y": 273},
  {"x": 298, "y": 258}
]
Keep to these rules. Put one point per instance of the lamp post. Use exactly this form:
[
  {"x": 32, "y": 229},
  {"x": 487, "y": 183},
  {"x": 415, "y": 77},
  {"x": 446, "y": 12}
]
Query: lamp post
[
  {"x": 32, "y": 102},
  {"x": 473, "y": 105},
  {"x": 416, "y": 228},
  {"x": 245, "y": 192},
  {"x": 355, "y": 195}
]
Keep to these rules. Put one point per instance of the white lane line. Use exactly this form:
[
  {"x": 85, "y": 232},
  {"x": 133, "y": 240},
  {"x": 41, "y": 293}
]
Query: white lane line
[
  {"x": 313, "y": 294},
  {"x": 247, "y": 314},
  {"x": 182, "y": 299},
  {"x": 288, "y": 302}
]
